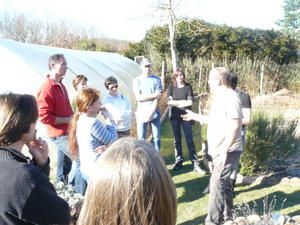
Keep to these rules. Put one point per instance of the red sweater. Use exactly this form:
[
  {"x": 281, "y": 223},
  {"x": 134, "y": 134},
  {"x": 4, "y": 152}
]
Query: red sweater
[{"x": 53, "y": 101}]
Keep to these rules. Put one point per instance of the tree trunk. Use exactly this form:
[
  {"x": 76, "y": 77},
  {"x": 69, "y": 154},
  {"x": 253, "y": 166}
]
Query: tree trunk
[{"x": 172, "y": 37}]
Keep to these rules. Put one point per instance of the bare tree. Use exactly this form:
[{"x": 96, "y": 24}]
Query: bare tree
[
  {"x": 168, "y": 8},
  {"x": 173, "y": 21},
  {"x": 61, "y": 35},
  {"x": 18, "y": 27}
]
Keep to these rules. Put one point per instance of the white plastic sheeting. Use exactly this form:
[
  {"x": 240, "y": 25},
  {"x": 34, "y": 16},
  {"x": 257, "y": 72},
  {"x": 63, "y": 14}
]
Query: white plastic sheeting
[{"x": 25, "y": 66}]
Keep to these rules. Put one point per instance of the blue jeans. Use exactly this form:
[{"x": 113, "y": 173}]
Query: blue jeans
[
  {"x": 155, "y": 127},
  {"x": 188, "y": 133},
  {"x": 63, "y": 160},
  {"x": 76, "y": 179}
]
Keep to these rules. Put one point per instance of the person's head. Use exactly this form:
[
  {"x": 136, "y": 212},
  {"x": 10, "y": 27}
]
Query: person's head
[
  {"x": 111, "y": 84},
  {"x": 146, "y": 67},
  {"x": 58, "y": 67},
  {"x": 80, "y": 82},
  {"x": 233, "y": 81},
  {"x": 178, "y": 77},
  {"x": 88, "y": 102},
  {"x": 219, "y": 76},
  {"x": 18, "y": 116},
  {"x": 131, "y": 185}
]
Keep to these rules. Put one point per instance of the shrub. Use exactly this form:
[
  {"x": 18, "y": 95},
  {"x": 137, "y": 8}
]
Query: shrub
[{"x": 270, "y": 141}]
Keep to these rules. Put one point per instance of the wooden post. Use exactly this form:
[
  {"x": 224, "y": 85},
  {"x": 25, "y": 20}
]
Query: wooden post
[
  {"x": 200, "y": 77},
  {"x": 163, "y": 79},
  {"x": 261, "y": 91}
]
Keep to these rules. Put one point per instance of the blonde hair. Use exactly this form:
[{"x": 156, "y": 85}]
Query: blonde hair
[
  {"x": 85, "y": 98},
  {"x": 78, "y": 79},
  {"x": 131, "y": 186}
]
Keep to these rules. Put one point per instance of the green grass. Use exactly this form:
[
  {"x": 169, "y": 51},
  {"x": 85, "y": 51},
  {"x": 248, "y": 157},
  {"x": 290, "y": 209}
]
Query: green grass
[{"x": 192, "y": 204}]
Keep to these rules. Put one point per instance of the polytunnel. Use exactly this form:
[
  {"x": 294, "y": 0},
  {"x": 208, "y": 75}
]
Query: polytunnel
[{"x": 25, "y": 66}]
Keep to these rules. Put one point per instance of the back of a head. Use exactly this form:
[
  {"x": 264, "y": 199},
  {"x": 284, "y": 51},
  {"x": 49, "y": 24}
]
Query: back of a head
[
  {"x": 233, "y": 81},
  {"x": 131, "y": 186},
  {"x": 17, "y": 113},
  {"x": 222, "y": 74}
]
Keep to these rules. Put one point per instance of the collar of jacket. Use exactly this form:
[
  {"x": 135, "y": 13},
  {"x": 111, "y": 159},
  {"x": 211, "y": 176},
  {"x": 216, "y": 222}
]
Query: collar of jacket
[{"x": 9, "y": 153}]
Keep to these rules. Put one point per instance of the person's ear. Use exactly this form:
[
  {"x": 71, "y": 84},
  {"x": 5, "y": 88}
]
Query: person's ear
[{"x": 88, "y": 109}]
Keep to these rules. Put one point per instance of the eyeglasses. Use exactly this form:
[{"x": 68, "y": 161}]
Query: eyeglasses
[{"x": 113, "y": 86}]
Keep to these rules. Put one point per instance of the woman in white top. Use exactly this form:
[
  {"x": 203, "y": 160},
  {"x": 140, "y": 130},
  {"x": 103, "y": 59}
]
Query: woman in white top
[{"x": 118, "y": 106}]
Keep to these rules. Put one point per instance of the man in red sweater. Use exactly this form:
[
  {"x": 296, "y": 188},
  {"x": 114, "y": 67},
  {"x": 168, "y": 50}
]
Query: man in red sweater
[{"x": 55, "y": 112}]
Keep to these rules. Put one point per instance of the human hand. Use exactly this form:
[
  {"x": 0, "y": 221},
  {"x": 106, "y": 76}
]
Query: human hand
[
  {"x": 157, "y": 95},
  {"x": 105, "y": 113},
  {"x": 39, "y": 151},
  {"x": 192, "y": 116},
  {"x": 170, "y": 102},
  {"x": 188, "y": 116},
  {"x": 101, "y": 149}
]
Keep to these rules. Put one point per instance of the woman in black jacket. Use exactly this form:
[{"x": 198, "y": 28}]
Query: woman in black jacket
[{"x": 27, "y": 196}]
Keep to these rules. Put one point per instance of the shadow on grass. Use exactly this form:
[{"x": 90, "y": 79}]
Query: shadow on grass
[
  {"x": 196, "y": 221},
  {"x": 193, "y": 187},
  {"x": 295, "y": 213}
]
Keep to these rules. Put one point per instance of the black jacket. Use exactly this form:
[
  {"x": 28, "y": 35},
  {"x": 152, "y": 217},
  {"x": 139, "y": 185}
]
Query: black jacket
[{"x": 26, "y": 194}]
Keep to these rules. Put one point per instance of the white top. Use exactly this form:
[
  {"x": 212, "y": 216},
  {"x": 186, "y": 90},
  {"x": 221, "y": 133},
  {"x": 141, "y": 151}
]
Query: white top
[
  {"x": 90, "y": 134},
  {"x": 225, "y": 106},
  {"x": 146, "y": 85},
  {"x": 121, "y": 110}
]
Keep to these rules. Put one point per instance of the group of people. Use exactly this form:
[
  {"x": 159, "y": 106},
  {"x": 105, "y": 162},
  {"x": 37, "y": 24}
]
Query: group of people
[{"x": 125, "y": 181}]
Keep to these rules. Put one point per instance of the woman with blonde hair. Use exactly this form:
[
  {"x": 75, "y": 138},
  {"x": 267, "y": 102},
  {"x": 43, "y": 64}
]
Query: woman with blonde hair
[
  {"x": 75, "y": 178},
  {"x": 131, "y": 186},
  {"x": 88, "y": 135}
]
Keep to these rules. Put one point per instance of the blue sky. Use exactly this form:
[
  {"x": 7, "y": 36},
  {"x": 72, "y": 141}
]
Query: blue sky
[{"x": 129, "y": 19}]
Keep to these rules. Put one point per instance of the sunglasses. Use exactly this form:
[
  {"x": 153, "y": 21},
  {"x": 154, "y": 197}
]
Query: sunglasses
[{"x": 113, "y": 86}]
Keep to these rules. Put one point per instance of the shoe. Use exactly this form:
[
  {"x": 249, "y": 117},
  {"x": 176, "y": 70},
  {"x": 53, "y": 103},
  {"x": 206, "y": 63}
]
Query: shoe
[
  {"x": 199, "y": 170},
  {"x": 177, "y": 166}
]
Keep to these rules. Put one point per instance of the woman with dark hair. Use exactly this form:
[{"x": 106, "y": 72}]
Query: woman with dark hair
[
  {"x": 118, "y": 106},
  {"x": 180, "y": 95},
  {"x": 130, "y": 186},
  {"x": 27, "y": 196}
]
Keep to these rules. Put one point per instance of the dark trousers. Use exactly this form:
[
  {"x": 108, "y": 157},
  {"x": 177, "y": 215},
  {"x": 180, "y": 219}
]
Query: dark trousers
[
  {"x": 220, "y": 201},
  {"x": 188, "y": 133}
]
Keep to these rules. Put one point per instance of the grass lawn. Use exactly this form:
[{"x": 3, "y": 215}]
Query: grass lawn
[{"x": 192, "y": 204}]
